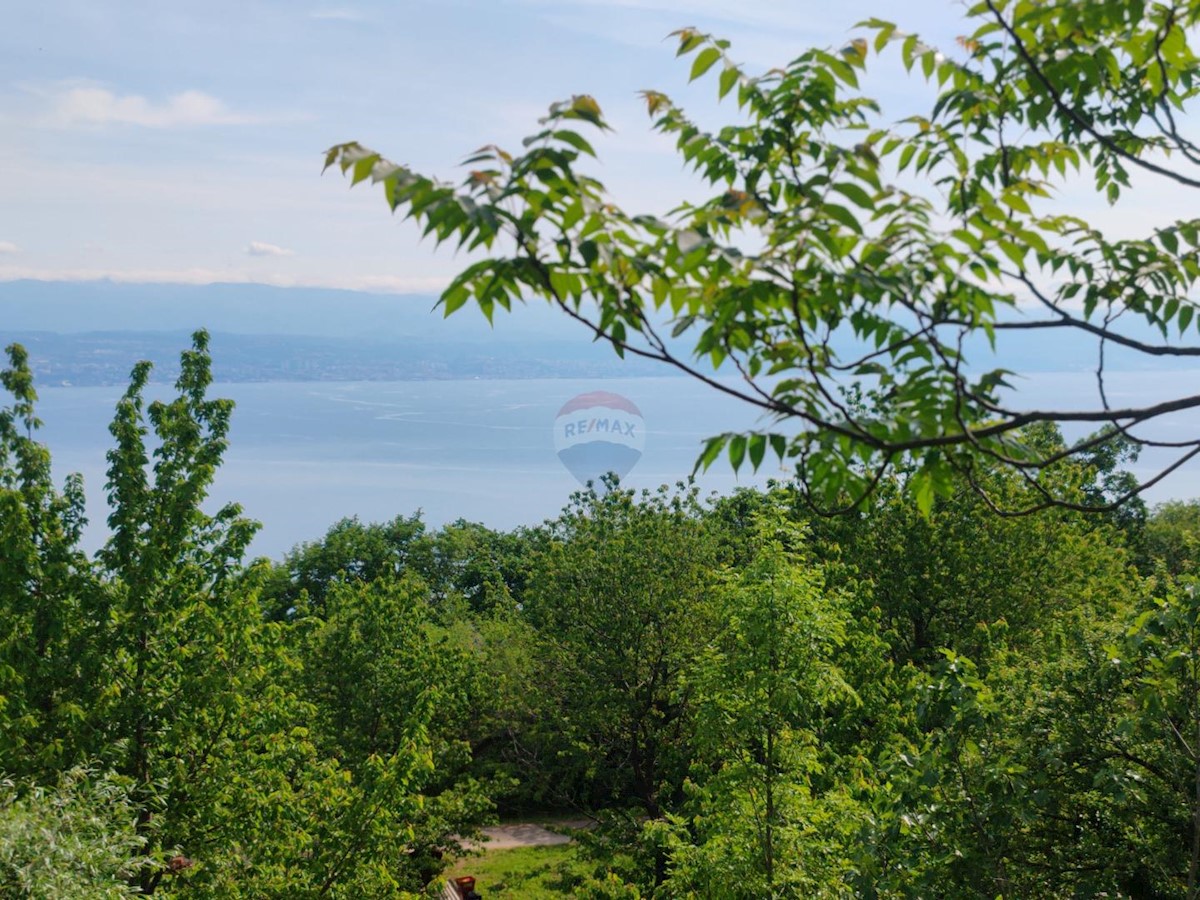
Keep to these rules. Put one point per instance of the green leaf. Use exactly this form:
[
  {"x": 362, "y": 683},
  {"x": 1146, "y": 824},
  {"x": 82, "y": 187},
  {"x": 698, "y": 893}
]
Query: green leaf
[
  {"x": 928, "y": 61},
  {"x": 737, "y": 451},
  {"x": 689, "y": 40},
  {"x": 575, "y": 140},
  {"x": 856, "y": 194},
  {"x": 584, "y": 106},
  {"x": 704, "y": 61},
  {"x": 921, "y": 487},
  {"x": 728, "y": 79},
  {"x": 1014, "y": 252},
  {"x": 363, "y": 167},
  {"x": 711, "y": 452},
  {"x": 757, "y": 447},
  {"x": 842, "y": 215},
  {"x": 571, "y": 215},
  {"x": 454, "y": 298}
]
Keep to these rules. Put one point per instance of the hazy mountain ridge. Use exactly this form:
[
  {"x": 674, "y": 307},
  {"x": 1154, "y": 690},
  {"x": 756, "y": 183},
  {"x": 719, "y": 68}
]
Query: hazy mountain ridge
[
  {"x": 90, "y": 306},
  {"x": 92, "y": 333},
  {"x": 88, "y": 333},
  {"x": 101, "y": 358}
]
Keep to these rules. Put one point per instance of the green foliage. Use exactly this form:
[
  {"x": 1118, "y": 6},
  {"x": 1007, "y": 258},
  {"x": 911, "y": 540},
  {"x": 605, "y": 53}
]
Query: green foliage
[
  {"x": 239, "y": 776},
  {"x": 461, "y": 562},
  {"x": 372, "y": 671},
  {"x": 1149, "y": 759},
  {"x": 900, "y": 703},
  {"x": 618, "y": 597},
  {"x": 43, "y": 577},
  {"x": 349, "y": 552},
  {"x": 1172, "y": 536},
  {"x": 178, "y": 665},
  {"x": 755, "y": 823},
  {"x": 481, "y": 568},
  {"x": 860, "y": 275},
  {"x": 77, "y": 839},
  {"x": 937, "y": 578},
  {"x": 388, "y": 686}
]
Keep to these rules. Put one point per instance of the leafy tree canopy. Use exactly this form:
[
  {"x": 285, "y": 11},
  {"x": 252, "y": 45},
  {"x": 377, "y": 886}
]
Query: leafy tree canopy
[{"x": 853, "y": 270}]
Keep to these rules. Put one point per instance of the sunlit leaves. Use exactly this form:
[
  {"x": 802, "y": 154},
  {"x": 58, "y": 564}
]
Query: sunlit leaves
[
  {"x": 704, "y": 61},
  {"x": 837, "y": 252}
]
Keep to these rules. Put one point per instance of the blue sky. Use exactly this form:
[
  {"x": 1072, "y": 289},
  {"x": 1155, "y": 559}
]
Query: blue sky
[{"x": 181, "y": 141}]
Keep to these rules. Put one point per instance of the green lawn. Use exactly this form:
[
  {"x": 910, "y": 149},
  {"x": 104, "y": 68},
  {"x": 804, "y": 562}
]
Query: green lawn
[{"x": 525, "y": 872}]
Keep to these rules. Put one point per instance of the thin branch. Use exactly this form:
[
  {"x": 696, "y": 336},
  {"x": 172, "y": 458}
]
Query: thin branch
[
  {"x": 1066, "y": 504},
  {"x": 1066, "y": 320},
  {"x": 1069, "y": 112}
]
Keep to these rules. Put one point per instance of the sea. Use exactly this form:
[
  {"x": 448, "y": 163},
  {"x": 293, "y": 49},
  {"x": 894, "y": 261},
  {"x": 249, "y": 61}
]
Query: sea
[{"x": 304, "y": 455}]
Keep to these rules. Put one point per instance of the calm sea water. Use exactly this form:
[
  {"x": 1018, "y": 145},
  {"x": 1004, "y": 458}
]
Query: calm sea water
[{"x": 304, "y": 455}]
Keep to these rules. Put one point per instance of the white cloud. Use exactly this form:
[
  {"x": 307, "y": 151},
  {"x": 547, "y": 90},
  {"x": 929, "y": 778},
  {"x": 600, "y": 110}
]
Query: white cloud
[
  {"x": 384, "y": 284},
  {"x": 74, "y": 104},
  {"x": 9, "y": 247},
  {"x": 261, "y": 248}
]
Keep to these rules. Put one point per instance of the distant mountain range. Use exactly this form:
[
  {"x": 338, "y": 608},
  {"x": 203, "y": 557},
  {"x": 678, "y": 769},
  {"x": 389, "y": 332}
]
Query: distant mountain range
[
  {"x": 84, "y": 333},
  {"x": 92, "y": 333},
  {"x": 72, "y": 307}
]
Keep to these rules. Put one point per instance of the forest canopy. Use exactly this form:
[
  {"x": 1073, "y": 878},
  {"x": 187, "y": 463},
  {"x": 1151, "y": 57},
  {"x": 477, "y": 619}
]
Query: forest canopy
[
  {"x": 744, "y": 699},
  {"x": 862, "y": 277},
  {"x": 743, "y": 696}
]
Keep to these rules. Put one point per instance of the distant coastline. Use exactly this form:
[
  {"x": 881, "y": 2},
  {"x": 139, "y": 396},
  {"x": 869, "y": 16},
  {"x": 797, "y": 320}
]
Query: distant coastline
[
  {"x": 91, "y": 333},
  {"x": 105, "y": 358}
]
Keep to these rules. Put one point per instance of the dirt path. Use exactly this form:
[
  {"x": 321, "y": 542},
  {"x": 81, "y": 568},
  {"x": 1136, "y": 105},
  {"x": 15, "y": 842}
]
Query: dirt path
[{"x": 506, "y": 837}]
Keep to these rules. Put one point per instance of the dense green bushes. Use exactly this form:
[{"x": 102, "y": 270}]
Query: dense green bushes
[
  {"x": 753, "y": 702},
  {"x": 75, "y": 839},
  {"x": 233, "y": 735}
]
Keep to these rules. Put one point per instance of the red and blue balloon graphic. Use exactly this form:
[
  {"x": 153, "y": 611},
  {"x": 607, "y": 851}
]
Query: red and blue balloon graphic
[{"x": 597, "y": 433}]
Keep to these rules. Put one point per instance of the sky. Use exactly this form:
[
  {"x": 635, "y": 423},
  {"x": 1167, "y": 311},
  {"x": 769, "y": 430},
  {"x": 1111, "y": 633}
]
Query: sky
[
  {"x": 143, "y": 140},
  {"x": 182, "y": 140}
]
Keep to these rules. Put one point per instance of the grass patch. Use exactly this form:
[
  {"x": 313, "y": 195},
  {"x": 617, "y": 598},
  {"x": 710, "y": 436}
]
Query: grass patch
[{"x": 526, "y": 872}]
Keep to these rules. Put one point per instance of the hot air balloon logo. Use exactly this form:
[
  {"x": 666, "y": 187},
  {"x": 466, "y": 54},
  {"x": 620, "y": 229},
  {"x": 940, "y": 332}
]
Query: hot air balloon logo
[{"x": 597, "y": 433}]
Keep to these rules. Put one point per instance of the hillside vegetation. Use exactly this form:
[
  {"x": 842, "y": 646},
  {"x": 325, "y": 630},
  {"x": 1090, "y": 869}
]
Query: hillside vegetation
[{"x": 751, "y": 700}]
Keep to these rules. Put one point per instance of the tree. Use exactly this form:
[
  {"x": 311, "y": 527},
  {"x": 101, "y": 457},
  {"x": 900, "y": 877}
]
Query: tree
[
  {"x": 756, "y": 822},
  {"x": 1064, "y": 770},
  {"x": 481, "y": 568},
  {"x": 385, "y": 688},
  {"x": 155, "y": 664},
  {"x": 78, "y": 839},
  {"x": 854, "y": 271},
  {"x": 1172, "y": 535},
  {"x": 43, "y": 579},
  {"x": 1132, "y": 730},
  {"x": 619, "y": 599},
  {"x": 177, "y": 662},
  {"x": 935, "y": 578},
  {"x": 349, "y": 552},
  {"x": 462, "y": 560}
]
